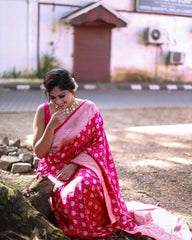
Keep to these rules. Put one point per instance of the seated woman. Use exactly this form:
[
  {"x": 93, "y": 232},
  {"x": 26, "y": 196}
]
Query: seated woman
[{"x": 69, "y": 138}]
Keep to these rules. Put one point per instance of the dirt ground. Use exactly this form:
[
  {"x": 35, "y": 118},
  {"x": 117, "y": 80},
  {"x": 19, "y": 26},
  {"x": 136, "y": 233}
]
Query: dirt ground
[{"x": 152, "y": 149}]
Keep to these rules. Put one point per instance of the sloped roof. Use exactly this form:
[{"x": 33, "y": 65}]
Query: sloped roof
[{"x": 96, "y": 11}]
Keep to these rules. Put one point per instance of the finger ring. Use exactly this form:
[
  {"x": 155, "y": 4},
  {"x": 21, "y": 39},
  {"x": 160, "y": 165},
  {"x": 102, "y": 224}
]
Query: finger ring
[{"x": 67, "y": 179}]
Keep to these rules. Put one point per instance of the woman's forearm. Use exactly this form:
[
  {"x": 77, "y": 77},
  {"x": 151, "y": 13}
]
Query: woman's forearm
[{"x": 43, "y": 145}]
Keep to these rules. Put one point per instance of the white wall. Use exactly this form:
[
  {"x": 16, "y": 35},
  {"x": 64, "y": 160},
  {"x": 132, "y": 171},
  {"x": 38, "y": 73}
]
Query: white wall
[
  {"x": 56, "y": 38},
  {"x": 121, "y": 4},
  {"x": 19, "y": 37},
  {"x": 131, "y": 55},
  {"x": 13, "y": 35}
]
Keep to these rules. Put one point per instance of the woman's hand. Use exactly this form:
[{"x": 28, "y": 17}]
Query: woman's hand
[
  {"x": 57, "y": 118},
  {"x": 67, "y": 172}
]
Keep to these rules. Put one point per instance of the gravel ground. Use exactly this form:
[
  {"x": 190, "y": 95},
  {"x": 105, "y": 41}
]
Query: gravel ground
[{"x": 152, "y": 149}]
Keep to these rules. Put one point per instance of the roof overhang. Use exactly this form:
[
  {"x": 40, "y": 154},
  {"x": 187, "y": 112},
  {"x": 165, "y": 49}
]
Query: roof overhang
[{"x": 95, "y": 12}]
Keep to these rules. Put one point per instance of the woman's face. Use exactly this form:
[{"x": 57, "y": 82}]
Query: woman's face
[{"x": 61, "y": 98}]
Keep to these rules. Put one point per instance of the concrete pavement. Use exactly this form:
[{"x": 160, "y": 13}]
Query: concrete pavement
[{"x": 28, "y": 101}]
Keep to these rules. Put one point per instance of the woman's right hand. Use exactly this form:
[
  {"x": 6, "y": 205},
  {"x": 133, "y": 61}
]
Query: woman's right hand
[{"x": 57, "y": 118}]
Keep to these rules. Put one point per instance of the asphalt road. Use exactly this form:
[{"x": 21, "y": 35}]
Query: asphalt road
[{"x": 28, "y": 101}]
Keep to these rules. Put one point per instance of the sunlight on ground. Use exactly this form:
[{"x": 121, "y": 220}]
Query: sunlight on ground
[
  {"x": 173, "y": 144},
  {"x": 161, "y": 134},
  {"x": 179, "y": 160},
  {"x": 162, "y": 163},
  {"x": 179, "y": 129},
  {"x": 152, "y": 162},
  {"x": 29, "y": 139}
]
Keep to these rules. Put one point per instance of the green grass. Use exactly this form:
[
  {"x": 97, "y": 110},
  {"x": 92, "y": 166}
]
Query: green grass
[{"x": 48, "y": 62}]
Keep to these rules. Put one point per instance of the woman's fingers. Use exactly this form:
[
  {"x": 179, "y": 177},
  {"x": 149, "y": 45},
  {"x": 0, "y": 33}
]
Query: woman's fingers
[
  {"x": 63, "y": 176},
  {"x": 67, "y": 172},
  {"x": 58, "y": 118}
]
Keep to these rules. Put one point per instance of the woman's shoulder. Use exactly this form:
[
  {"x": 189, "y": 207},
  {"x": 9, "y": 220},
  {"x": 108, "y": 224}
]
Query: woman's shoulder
[{"x": 41, "y": 109}]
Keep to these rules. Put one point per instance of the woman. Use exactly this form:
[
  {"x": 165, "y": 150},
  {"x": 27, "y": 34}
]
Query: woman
[{"x": 70, "y": 140}]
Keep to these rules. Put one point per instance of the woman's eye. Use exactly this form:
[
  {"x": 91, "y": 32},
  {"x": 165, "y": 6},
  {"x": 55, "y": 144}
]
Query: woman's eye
[
  {"x": 52, "y": 98},
  {"x": 62, "y": 96}
]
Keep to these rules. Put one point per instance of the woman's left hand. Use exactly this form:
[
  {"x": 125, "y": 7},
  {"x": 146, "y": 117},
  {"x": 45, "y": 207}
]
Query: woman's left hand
[{"x": 67, "y": 172}]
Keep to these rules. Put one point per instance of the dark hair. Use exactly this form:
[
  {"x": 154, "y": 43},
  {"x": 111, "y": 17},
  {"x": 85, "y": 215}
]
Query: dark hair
[{"x": 59, "y": 77}]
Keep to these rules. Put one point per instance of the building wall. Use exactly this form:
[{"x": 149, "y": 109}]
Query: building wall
[
  {"x": 56, "y": 38},
  {"x": 36, "y": 29},
  {"x": 13, "y": 35},
  {"x": 131, "y": 56}
]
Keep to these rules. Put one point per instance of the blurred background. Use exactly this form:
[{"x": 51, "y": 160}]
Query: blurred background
[{"x": 135, "y": 41}]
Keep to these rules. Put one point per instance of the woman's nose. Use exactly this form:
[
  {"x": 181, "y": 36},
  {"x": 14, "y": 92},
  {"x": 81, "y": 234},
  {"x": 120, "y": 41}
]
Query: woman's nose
[{"x": 58, "y": 101}]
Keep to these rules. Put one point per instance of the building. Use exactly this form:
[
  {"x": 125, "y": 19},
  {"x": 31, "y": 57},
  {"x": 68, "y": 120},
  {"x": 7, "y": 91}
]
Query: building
[{"x": 100, "y": 41}]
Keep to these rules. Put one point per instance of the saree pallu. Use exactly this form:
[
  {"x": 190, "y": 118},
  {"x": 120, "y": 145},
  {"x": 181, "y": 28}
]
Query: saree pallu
[{"x": 90, "y": 206}]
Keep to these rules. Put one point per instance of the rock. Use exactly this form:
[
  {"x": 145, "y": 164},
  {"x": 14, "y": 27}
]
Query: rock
[
  {"x": 36, "y": 162},
  {"x": 3, "y": 150},
  {"x": 29, "y": 148},
  {"x": 6, "y": 162},
  {"x": 15, "y": 143},
  {"x": 26, "y": 157},
  {"x": 12, "y": 153},
  {"x": 20, "y": 217},
  {"x": 21, "y": 168},
  {"x": 11, "y": 149},
  {"x": 38, "y": 194},
  {"x": 5, "y": 141},
  {"x": 10, "y": 235},
  {"x": 23, "y": 149}
]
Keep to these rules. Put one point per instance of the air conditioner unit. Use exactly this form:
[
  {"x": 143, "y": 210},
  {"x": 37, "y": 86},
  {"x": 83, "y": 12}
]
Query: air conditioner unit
[
  {"x": 155, "y": 36},
  {"x": 176, "y": 58}
]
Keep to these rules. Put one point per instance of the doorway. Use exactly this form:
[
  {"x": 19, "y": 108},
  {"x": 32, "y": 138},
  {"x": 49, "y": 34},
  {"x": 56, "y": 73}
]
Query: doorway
[{"x": 92, "y": 51}]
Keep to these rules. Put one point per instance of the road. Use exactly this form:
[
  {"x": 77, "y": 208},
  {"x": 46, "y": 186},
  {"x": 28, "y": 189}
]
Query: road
[{"x": 27, "y": 101}]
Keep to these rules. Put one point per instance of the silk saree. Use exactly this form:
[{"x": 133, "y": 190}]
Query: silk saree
[{"x": 89, "y": 205}]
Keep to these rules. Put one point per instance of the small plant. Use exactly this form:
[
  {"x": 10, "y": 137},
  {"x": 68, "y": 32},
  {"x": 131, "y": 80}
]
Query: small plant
[
  {"x": 48, "y": 62},
  {"x": 12, "y": 74}
]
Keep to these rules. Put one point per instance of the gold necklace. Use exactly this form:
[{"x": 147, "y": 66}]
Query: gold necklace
[{"x": 71, "y": 108}]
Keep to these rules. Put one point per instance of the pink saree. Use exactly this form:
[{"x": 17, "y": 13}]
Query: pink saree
[{"x": 89, "y": 206}]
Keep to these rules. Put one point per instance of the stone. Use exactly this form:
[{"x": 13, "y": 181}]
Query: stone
[
  {"x": 12, "y": 153},
  {"x": 6, "y": 162},
  {"x": 11, "y": 149},
  {"x": 23, "y": 149},
  {"x": 26, "y": 157},
  {"x": 38, "y": 194},
  {"x": 15, "y": 143},
  {"x": 3, "y": 150},
  {"x": 28, "y": 147},
  {"x": 5, "y": 141},
  {"x": 36, "y": 162},
  {"x": 21, "y": 167},
  {"x": 20, "y": 217}
]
